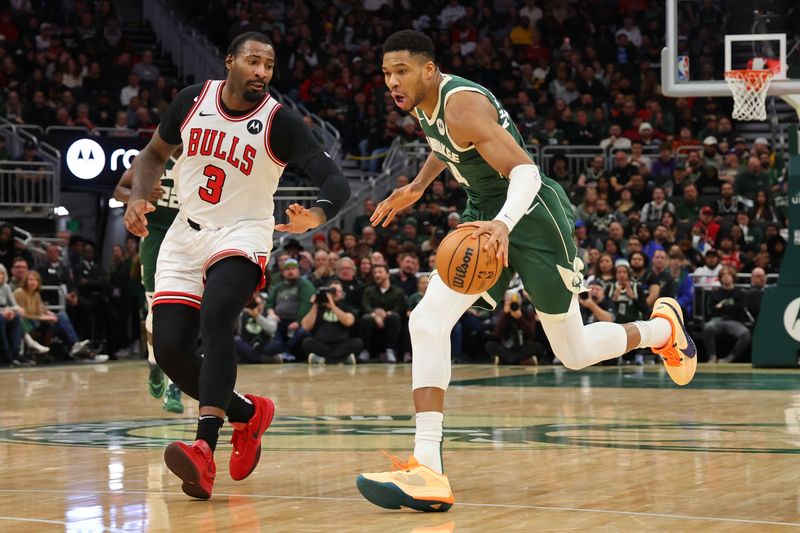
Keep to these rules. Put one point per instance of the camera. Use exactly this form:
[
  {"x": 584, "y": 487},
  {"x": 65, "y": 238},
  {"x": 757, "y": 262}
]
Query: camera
[
  {"x": 515, "y": 299},
  {"x": 583, "y": 295},
  {"x": 323, "y": 292}
]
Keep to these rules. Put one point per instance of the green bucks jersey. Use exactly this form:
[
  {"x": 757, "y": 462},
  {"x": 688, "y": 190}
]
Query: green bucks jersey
[
  {"x": 478, "y": 178},
  {"x": 167, "y": 205},
  {"x": 541, "y": 248}
]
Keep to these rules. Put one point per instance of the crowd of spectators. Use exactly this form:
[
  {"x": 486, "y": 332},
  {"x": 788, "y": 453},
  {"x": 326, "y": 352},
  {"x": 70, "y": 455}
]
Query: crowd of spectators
[
  {"x": 583, "y": 72},
  {"x": 60, "y": 303},
  {"x": 673, "y": 196},
  {"x": 69, "y": 64},
  {"x": 637, "y": 243}
]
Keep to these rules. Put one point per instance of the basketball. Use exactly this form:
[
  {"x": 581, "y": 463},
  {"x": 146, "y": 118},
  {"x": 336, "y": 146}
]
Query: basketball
[{"x": 464, "y": 265}]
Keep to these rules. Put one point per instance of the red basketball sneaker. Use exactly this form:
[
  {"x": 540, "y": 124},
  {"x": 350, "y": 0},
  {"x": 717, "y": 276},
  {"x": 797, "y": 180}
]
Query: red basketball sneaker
[
  {"x": 194, "y": 465},
  {"x": 247, "y": 438}
]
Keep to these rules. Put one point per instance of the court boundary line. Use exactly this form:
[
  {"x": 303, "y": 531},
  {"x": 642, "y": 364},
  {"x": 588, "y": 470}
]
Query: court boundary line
[{"x": 464, "y": 504}]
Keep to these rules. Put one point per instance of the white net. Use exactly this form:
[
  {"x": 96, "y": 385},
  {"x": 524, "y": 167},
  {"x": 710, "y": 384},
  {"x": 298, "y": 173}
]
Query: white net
[{"x": 749, "y": 88}]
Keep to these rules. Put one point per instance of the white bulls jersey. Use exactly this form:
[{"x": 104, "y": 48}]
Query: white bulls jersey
[{"x": 227, "y": 172}]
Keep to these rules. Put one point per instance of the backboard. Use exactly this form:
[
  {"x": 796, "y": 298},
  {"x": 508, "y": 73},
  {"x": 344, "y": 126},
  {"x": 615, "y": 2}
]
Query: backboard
[{"x": 703, "y": 41}]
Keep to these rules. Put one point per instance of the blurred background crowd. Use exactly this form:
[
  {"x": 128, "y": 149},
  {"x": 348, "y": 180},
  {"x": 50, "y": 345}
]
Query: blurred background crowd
[{"x": 669, "y": 198}]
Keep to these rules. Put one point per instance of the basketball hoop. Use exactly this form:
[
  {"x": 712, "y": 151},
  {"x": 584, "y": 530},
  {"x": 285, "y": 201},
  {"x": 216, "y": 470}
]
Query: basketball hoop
[{"x": 749, "y": 88}]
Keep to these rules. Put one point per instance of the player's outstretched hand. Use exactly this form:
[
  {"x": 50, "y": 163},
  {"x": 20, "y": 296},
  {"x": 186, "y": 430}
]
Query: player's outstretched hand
[
  {"x": 135, "y": 216},
  {"x": 396, "y": 202},
  {"x": 498, "y": 234},
  {"x": 301, "y": 219}
]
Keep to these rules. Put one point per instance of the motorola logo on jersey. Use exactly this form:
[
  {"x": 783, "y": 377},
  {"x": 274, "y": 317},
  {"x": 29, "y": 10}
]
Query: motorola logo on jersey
[
  {"x": 255, "y": 126},
  {"x": 86, "y": 159}
]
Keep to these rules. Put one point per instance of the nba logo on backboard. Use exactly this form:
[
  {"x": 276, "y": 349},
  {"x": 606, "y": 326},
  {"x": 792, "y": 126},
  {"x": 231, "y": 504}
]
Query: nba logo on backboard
[{"x": 683, "y": 68}]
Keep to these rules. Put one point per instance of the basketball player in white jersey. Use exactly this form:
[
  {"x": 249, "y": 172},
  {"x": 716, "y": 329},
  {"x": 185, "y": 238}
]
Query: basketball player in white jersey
[{"x": 236, "y": 143}]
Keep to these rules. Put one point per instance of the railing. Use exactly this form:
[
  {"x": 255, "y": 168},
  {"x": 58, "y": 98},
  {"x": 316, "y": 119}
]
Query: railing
[
  {"x": 682, "y": 152},
  {"x": 328, "y": 134},
  {"x": 39, "y": 182},
  {"x": 60, "y": 291},
  {"x": 78, "y": 130},
  {"x": 702, "y": 290},
  {"x": 285, "y": 196},
  {"x": 28, "y": 186},
  {"x": 113, "y": 132},
  {"x": 402, "y": 158},
  {"x": 306, "y": 195},
  {"x": 97, "y": 132},
  {"x": 196, "y": 57},
  {"x": 578, "y": 157}
]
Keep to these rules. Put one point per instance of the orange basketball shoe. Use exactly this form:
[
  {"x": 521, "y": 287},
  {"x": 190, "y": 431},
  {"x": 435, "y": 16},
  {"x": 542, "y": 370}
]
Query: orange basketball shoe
[
  {"x": 680, "y": 353},
  {"x": 247, "y": 438},
  {"x": 408, "y": 484},
  {"x": 194, "y": 465}
]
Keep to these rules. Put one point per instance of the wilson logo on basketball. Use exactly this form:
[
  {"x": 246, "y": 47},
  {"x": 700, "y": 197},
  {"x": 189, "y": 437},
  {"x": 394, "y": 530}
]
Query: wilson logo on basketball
[
  {"x": 463, "y": 268},
  {"x": 464, "y": 265}
]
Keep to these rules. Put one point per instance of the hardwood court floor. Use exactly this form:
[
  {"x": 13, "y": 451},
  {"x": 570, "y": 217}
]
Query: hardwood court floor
[{"x": 526, "y": 450}]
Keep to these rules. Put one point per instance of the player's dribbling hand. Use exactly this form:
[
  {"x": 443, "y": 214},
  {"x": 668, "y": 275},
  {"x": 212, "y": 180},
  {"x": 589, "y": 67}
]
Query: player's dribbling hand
[
  {"x": 498, "y": 234},
  {"x": 396, "y": 202},
  {"x": 301, "y": 219},
  {"x": 136, "y": 216}
]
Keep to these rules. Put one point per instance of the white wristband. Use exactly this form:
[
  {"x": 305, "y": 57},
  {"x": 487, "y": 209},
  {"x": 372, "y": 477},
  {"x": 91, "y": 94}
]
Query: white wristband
[{"x": 524, "y": 186}]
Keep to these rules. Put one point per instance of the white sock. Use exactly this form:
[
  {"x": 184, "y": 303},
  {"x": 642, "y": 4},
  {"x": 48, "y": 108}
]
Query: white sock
[
  {"x": 654, "y": 333},
  {"x": 428, "y": 440}
]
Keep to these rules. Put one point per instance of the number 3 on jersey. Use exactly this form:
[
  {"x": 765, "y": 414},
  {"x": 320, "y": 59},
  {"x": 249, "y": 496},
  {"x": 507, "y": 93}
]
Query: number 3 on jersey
[{"x": 212, "y": 191}]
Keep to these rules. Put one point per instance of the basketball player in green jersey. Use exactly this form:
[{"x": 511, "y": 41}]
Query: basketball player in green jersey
[
  {"x": 529, "y": 218},
  {"x": 158, "y": 222}
]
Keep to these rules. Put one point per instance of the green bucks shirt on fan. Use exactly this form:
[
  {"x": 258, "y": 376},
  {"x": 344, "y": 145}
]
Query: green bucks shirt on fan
[
  {"x": 479, "y": 179},
  {"x": 541, "y": 248}
]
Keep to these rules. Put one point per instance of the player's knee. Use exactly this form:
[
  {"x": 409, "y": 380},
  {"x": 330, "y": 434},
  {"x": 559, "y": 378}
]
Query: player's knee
[
  {"x": 218, "y": 318},
  {"x": 168, "y": 352},
  {"x": 570, "y": 362},
  {"x": 174, "y": 336},
  {"x": 422, "y": 326},
  {"x": 569, "y": 351}
]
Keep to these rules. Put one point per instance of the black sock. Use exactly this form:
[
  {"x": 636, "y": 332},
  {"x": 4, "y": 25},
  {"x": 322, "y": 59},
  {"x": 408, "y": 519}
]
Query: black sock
[
  {"x": 240, "y": 409},
  {"x": 208, "y": 427}
]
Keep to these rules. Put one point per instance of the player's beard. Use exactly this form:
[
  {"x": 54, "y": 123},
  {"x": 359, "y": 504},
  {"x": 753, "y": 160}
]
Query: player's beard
[{"x": 253, "y": 95}]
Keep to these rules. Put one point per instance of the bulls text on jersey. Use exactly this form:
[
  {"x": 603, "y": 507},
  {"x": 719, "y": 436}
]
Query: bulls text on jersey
[{"x": 210, "y": 142}]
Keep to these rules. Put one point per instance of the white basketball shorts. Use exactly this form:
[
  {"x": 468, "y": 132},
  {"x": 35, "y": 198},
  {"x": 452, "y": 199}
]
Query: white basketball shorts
[{"x": 187, "y": 253}]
